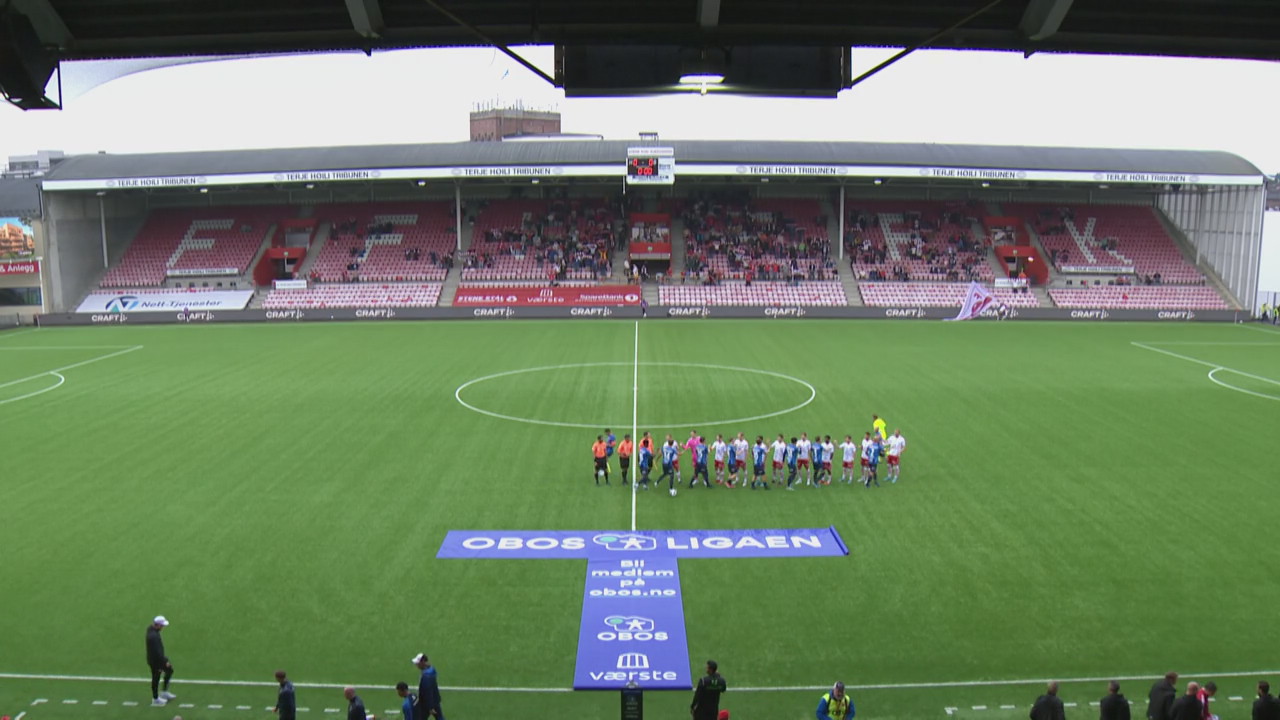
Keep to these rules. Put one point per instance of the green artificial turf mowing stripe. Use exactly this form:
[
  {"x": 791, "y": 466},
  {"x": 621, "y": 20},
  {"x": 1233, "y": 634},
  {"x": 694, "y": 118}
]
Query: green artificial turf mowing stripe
[{"x": 1071, "y": 505}]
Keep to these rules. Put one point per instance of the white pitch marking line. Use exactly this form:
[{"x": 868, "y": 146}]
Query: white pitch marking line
[
  {"x": 1236, "y": 698},
  {"x": 951, "y": 710},
  {"x": 1229, "y": 386},
  {"x": 20, "y": 715},
  {"x": 42, "y": 391},
  {"x": 70, "y": 701},
  {"x": 1214, "y": 367},
  {"x": 72, "y": 366},
  {"x": 215, "y": 707},
  {"x": 16, "y": 333},
  {"x": 130, "y": 703},
  {"x": 99, "y": 702},
  {"x": 979, "y": 707},
  {"x": 1069, "y": 704},
  {"x": 635, "y": 410},
  {"x": 1255, "y": 328},
  {"x": 304, "y": 709},
  {"x": 243, "y": 707},
  {"x": 787, "y": 688},
  {"x": 331, "y": 710},
  {"x": 94, "y": 347},
  {"x": 457, "y": 394},
  {"x": 39, "y": 701},
  {"x": 1008, "y": 707},
  {"x": 1210, "y": 343},
  {"x": 187, "y": 705}
]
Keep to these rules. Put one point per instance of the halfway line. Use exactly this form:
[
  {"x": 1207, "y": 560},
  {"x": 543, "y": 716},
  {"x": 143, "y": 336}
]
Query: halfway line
[{"x": 635, "y": 423}]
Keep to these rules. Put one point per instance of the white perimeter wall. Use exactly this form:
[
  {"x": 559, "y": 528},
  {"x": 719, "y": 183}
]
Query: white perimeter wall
[{"x": 1269, "y": 268}]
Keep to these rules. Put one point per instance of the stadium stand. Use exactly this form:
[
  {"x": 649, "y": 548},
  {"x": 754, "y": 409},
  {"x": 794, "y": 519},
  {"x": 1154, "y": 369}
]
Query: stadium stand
[
  {"x": 818, "y": 293},
  {"x": 336, "y": 295},
  {"x": 386, "y": 242},
  {"x": 534, "y": 239},
  {"x": 1140, "y": 297},
  {"x": 1100, "y": 236},
  {"x": 221, "y": 240},
  {"x": 927, "y": 294},
  {"x": 906, "y": 240},
  {"x": 731, "y": 236}
]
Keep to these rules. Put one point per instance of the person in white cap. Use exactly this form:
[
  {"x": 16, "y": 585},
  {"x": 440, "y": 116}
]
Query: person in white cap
[
  {"x": 158, "y": 662},
  {"x": 428, "y": 706}
]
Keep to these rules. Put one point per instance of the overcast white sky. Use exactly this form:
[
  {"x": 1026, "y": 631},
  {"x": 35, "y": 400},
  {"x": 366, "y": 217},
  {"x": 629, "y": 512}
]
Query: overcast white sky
[{"x": 425, "y": 95}]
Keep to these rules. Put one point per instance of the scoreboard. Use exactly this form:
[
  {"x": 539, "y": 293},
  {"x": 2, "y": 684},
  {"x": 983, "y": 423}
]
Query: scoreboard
[{"x": 651, "y": 166}]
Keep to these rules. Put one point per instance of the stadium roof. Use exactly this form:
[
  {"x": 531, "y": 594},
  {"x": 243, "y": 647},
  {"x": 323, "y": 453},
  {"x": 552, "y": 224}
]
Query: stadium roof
[
  {"x": 86, "y": 29},
  {"x": 613, "y": 152}
]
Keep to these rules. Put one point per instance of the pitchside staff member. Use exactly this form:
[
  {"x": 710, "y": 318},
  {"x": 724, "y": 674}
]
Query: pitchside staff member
[
  {"x": 706, "y": 695},
  {"x": 159, "y": 663},
  {"x": 428, "y": 691},
  {"x": 286, "y": 701}
]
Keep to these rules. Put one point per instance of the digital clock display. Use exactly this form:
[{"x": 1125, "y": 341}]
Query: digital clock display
[
  {"x": 651, "y": 166},
  {"x": 642, "y": 166}
]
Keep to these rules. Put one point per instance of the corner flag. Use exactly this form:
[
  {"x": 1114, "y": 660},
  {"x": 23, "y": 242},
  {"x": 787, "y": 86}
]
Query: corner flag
[{"x": 975, "y": 301}]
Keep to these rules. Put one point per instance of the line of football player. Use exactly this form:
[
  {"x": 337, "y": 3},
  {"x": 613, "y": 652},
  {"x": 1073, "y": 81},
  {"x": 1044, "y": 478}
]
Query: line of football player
[{"x": 738, "y": 463}]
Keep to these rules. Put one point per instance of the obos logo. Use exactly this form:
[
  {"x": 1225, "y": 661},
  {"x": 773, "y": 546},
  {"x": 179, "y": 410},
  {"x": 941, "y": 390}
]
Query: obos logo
[
  {"x": 122, "y": 303},
  {"x": 626, "y": 542},
  {"x": 630, "y": 628}
]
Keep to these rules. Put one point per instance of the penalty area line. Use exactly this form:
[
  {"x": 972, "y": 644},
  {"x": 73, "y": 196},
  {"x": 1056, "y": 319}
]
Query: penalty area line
[{"x": 72, "y": 366}]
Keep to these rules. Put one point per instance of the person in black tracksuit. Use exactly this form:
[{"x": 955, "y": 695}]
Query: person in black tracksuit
[
  {"x": 706, "y": 695},
  {"x": 1160, "y": 699},
  {"x": 1266, "y": 707},
  {"x": 158, "y": 662},
  {"x": 1187, "y": 707},
  {"x": 1048, "y": 706},
  {"x": 1113, "y": 706},
  {"x": 286, "y": 701}
]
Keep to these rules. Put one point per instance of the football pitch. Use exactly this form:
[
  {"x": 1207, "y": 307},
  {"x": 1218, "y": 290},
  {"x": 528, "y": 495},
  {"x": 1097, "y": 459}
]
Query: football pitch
[{"x": 1077, "y": 502}]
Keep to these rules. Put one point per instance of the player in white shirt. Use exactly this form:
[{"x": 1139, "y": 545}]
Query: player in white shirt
[
  {"x": 896, "y": 444},
  {"x": 779, "y": 455},
  {"x": 741, "y": 453},
  {"x": 866, "y": 459},
  {"x": 828, "y": 458},
  {"x": 803, "y": 448},
  {"x": 718, "y": 450},
  {"x": 850, "y": 449}
]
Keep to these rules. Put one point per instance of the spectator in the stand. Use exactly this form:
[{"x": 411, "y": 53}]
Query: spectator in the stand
[
  {"x": 1187, "y": 707},
  {"x": 1161, "y": 697},
  {"x": 1113, "y": 706},
  {"x": 1048, "y": 706}
]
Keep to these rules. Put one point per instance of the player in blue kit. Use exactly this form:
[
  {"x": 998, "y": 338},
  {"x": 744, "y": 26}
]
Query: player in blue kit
[
  {"x": 818, "y": 459},
  {"x": 732, "y": 469},
  {"x": 645, "y": 463},
  {"x": 670, "y": 456},
  {"x": 792, "y": 453},
  {"x": 873, "y": 460},
  {"x": 758, "y": 454},
  {"x": 700, "y": 464}
]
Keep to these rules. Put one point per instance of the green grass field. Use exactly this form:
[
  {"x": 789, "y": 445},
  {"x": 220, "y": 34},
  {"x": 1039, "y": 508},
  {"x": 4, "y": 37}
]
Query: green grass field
[{"x": 1072, "y": 505}]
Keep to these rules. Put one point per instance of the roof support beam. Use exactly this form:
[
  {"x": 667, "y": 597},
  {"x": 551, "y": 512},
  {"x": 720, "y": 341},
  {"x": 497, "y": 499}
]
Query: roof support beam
[
  {"x": 708, "y": 13},
  {"x": 366, "y": 17},
  {"x": 1042, "y": 18},
  {"x": 50, "y": 28}
]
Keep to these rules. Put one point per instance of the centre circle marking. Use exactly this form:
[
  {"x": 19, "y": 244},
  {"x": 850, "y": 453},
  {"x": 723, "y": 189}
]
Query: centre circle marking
[{"x": 457, "y": 394}]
